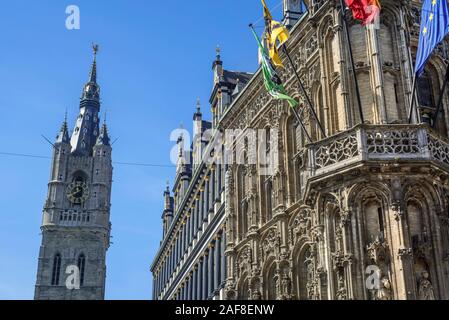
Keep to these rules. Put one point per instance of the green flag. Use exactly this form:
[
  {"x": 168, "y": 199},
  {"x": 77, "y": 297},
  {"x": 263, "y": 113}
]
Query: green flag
[{"x": 272, "y": 81}]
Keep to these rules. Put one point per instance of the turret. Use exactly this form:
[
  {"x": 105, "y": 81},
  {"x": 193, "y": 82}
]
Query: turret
[{"x": 167, "y": 214}]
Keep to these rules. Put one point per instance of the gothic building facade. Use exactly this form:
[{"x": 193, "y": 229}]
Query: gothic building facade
[
  {"x": 361, "y": 212},
  {"x": 76, "y": 216}
]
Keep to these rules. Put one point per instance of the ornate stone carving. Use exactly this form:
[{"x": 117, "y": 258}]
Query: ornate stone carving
[
  {"x": 336, "y": 150},
  {"x": 425, "y": 287},
  {"x": 271, "y": 244},
  {"x": 378, "y": 252},
  {"x": 302, "y": 224},
  {"x": 230, "y": 292},
  {"x": 244, "y": 260},
  {"x": 385, "y": 291},
  {"x": 283, "y": 286},
  {"x": 383, "y": 142},
  {"x": 405, "y": 253},
  {"x": 421, "y": 247}
]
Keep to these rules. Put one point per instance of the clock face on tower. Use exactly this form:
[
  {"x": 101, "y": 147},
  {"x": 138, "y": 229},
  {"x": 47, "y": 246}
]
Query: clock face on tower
[{"x": 78, "y": 192}]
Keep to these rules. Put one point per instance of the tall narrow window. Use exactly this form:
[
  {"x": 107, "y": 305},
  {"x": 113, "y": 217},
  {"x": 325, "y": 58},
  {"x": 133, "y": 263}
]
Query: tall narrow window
[
  {"x": 56, "y": 270},
  {"x": 425, "y": 96},
  {"x": 269, "y": 197},
  {"x": 81, "y": 267}
]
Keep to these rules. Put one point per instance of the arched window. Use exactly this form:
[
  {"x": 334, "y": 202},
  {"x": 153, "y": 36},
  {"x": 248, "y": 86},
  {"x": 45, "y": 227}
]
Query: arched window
[
  {"x": 56, "y": 270},
  {"x": 81, "y": 267},
  {"x": 244, "y": 219},
  {"x": 374, "y": 218},
  {"x": 293, "y": 146},
  {"x": 428, "y": 88},
  {"x": 425, "y": 95},
  {"x": 270, "y": 282}
]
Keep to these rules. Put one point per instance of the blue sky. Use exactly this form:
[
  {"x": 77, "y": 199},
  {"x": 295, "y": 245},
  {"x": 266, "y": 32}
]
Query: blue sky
[{"x": 155, "y": 60}]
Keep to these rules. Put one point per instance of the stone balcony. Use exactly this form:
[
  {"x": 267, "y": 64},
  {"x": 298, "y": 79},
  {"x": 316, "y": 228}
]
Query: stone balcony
[{"x": 375, "y": 144}]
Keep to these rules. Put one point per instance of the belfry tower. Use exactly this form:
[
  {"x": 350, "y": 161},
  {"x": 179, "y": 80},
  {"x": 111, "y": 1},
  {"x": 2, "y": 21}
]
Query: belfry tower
[{"x": 76, "y": 215}]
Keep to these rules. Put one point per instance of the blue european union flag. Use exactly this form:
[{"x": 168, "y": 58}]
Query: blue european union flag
[{"x": 434, "y": 27}]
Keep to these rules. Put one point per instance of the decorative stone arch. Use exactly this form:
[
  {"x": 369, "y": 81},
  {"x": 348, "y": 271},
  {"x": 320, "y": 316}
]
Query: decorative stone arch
[
  {"x": 433, "y": 80},
  {"x": 423, "y": 204},
  {"x": 243, "y": 287},
  {"x": 294, "y": 139},
  {"x": 304, "y": 270},
  {"x": 270, "y": 271},
  {"x": 331, "y": 78},
  {"x": 359, "y": 199},
  {"x": 372, "y": 241}
]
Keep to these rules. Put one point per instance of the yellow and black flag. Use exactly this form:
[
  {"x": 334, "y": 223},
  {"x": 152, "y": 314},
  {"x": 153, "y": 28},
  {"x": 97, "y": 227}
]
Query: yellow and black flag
[{"x": 276, "y": 34}]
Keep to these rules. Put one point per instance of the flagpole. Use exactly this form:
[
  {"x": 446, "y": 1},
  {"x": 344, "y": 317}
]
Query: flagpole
[
  {"x": 412, "y": 100},
  {"x": 295, "y": 113},
  {"x": 304, "y": 92},
  {"x": 351, "y": 57},
  {"x": 440, "y": 100}
]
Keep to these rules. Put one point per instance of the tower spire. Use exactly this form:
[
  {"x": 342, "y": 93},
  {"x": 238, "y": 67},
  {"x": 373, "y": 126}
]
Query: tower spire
[
  {"x": 93, "y": 71},
  {"x": 63, "y": 136},
  {"x": 198, "y": 115},
  {"x": 92, "y": 89},
  {"x": 198, "y": 106},
  {"x": 103, "y": 138},
  {"x": 87, "y": 127}
]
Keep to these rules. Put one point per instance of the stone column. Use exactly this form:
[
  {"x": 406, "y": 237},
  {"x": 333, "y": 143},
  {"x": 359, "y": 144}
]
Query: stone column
[
  {"x": 172, "y": 258},
  {"x": 158, "y": 290},
  {"x": 377, "y": 73},
  {"x": 179, "y": 246},
  {"x": 199, "y": 287},
  {"x": 204, "y": 204},
  {"x": 192, "y": 224},
  {"x": 183, "y": 291},
  {"x": 191, "y": 286},
  {"x": 194, "y": 283},
  {"x": 214, "y": 186},
  {"x": 154, "y": 289},
  {"x": 188, "y": 288},
  {"x": 187, "y": 233},
  {"x": 176, "y": 250},
  {"x": 206, "y": 197},
  {"x": 199, "y": 218},
  {"x": 183, "y": 242},
  {"x": 205, "y": 276},
  {"x": 223, "y": 259},
  {"x": 217, "y": 270},
  {"x": 211, "y": 286},
  {"x": 219, "y": 183}
]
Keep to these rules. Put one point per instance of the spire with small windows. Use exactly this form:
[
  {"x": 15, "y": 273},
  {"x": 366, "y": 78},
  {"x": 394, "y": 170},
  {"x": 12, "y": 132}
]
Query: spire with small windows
[{"x": 87, "y": 128}]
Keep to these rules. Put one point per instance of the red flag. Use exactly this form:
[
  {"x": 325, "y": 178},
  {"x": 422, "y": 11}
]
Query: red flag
[{"x": 364, "y": 10}]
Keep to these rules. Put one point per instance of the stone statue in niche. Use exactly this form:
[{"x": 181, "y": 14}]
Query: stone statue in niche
[
  {"x": 256, "y": 295},
  {"x": 384, "y": 292},
  {"x": 286, "y": 286},
  {"x": 425, "y": 287}
]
